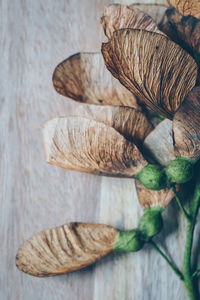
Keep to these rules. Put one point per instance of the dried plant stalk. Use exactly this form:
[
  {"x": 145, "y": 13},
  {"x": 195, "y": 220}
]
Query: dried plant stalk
[
  {"x": 151, "y": 66},
  {"x": 85, "y": 145},
  {"x": 65, "y": 249},
  {"x": 84, "y": 78},
  {"x": 187, "y": 7},
  {"x": 186, "y": 126},
  {"x": 118, "y": 16}
]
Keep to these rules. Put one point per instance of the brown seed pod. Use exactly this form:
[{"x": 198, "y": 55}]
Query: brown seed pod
[
  {"x": 85, "y": 145},
  {"x": 152, "y": 67},
  {"x": 187, "y": 7},
  {"x": 186, "y": 126},
  {"x": 149, "y": 198},
  {"x": 118, "y": 16},
  {"x": 84, "y": 78},
  {"x": 65, "y": 249},
  {"x": 183, "y": 30},
  {"x": 129, "y": 122},
  {"x": 155, "y": 11}
]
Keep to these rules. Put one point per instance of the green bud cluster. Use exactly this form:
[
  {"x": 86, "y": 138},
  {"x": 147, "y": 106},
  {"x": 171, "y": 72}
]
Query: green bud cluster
[
  {"x": 154, "y": 177},
  {"x": 133, "y": 240}
]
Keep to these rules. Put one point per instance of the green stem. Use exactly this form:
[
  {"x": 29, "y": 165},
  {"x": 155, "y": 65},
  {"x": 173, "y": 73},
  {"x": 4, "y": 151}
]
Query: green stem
[
  {"x": 188, "y": 280},
  {"x": 187, "y": 261},
  {"x": 176, "y": 271},
  {"x": 188, "y": 217},
  {"x": 196, "y": 272}
]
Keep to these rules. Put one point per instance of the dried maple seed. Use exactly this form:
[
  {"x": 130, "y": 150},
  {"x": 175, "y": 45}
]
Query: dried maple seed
[
  {"x": 180, "y": 170},
  {"x": 149, "y": 198},
  {"x": 155, "y": 11},
  {"x": 162, "y": 152},
  {"x": 159, "y": 143},
  {"x": 65, "y": 249},
  {"x": 186, "y": 126},
  {"x": 182, "y": 30},
  {"x": 84, "y": 78},
  {"x": 72, "y": 247},
  {"x": 85, "y": 145},
  {"x": 151, "y": 222},
  {"x": 187, "y": 7},
  {"x": 152, "y": 67},
  {"x": 129, "y": 241},
  {"x": 153, "y": 177},
  {"x": 118, "y": 16},
  {"x": 129, "y": 122}
]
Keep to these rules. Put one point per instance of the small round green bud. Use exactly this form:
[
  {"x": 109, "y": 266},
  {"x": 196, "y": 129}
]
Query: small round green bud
[
  {"x": 151, "y": 222},
  {"x": 179, "y": 170},
  {"x": 153, "y": 177},
  {"x": 129, "y": 241}
]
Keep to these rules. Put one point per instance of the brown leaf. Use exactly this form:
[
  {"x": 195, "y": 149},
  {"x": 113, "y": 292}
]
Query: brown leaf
[
  {"x": 155, "y": 11},
  {"x": 118, "y": 16},
  {"x": 129, "y": 122},
  {"x": 152, "y": 67},
  {"x": 84, "y": 78},
  {"x": 85, "y": 145},
  {"x": 183, "y": 30},
  {"x": 186, "y": 126},
  {"x": 149, "y": 198},
  {"x": 187, "y": 7},
  {"x": 65, "y": 249}
]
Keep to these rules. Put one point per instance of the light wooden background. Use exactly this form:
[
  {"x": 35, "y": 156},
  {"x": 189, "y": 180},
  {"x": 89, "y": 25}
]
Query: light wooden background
[{"x": 35, "y": 37}]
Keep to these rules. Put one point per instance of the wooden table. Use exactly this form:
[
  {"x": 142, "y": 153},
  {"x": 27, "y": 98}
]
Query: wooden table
[{"x": 35, "y": 37}]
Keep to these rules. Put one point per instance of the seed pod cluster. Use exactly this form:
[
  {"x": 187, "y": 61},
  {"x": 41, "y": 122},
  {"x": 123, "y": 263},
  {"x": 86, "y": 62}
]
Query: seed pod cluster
[{"x": 111, "y": 140}]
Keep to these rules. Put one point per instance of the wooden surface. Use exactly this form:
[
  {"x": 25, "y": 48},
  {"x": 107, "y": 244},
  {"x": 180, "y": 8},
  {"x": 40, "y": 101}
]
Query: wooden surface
[{"x": 35, "y": 37}]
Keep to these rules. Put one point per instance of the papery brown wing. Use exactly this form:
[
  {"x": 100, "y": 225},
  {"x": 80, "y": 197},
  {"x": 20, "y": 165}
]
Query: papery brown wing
[
  {"x": 129, "y": 122},
  {"x": 118, "y": 16},
  {"x": 159, "y": 143},
  {"x": 186, "y": 126},
  {"x": 152, "y": 67},
  {"x": 159, "y": 146},
  {"x": 85, "y": 145},
  {"x": 155, "y": 11},
  {"x": 187, "y": 7},
  {"x": 149, "y": 198},
  {"x": 65, "y": 249},
  {"x": 84, "y": 78},
  {"x": 183, "y": 30}
]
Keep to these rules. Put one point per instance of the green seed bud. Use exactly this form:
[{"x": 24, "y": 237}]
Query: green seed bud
[
  {"x": 180, "y": 170},
  {"x": 151, "y": 222},
  {"x": 129, "y": 241},
  {"x": 153, "y": 177}
]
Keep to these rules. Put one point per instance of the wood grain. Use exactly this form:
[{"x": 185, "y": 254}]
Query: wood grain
[{"x": 35, "y": 37}]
